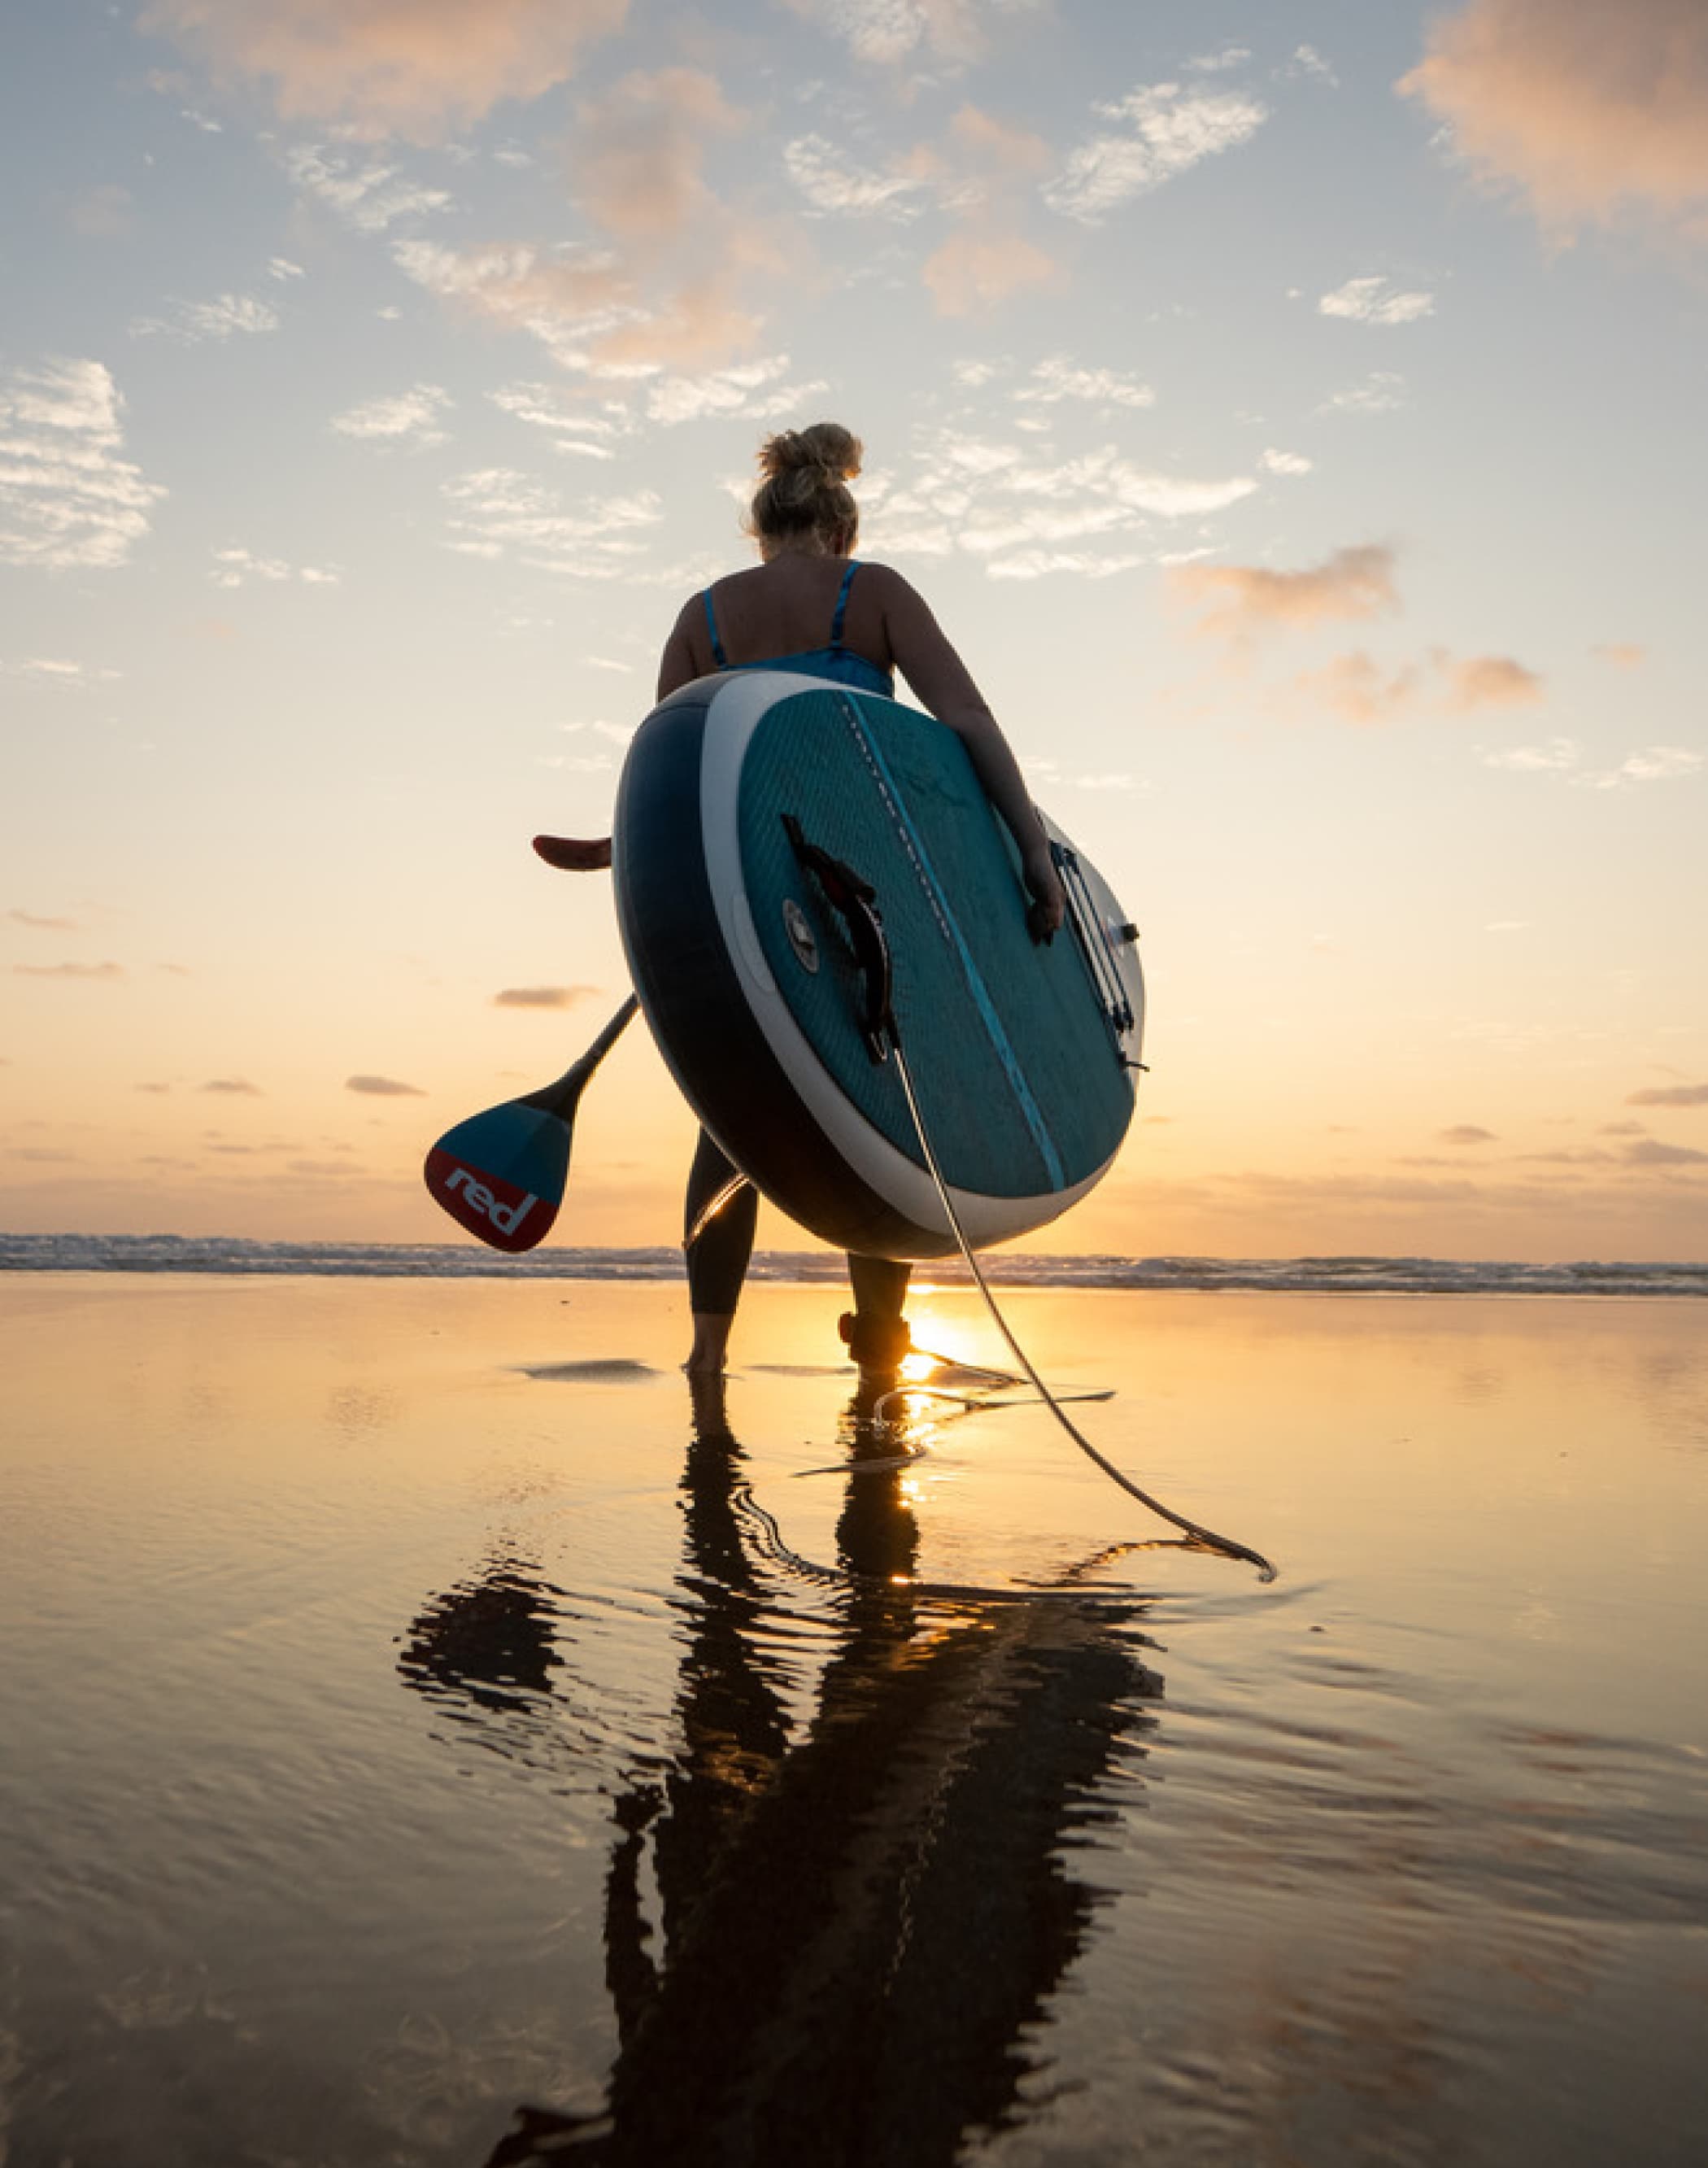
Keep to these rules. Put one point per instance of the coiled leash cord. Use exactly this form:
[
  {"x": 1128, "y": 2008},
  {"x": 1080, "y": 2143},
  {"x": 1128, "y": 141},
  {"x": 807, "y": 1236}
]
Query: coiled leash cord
[
  {"x": 855, "y": 901},
  {"x": 1207, "y": 1537}
]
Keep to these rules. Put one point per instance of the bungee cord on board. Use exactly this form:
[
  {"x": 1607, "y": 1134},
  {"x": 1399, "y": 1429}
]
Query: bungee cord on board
[
  {"x": 1227, "y": 1545},
  {"x": 856, "y": 902}
]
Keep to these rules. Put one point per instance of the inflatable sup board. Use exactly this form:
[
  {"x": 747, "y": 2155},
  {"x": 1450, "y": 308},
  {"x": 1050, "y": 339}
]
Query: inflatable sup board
[{"x": 747, "y": 801}]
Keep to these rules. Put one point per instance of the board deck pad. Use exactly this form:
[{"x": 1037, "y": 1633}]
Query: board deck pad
[{"x": 1019, "y": 1076}]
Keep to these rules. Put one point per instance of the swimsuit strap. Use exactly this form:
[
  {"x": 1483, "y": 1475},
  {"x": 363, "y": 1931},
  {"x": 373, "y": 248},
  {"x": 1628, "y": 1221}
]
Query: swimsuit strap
[
  {"x": 842, "y": 603},
  {"x": 718, "y": 654}
]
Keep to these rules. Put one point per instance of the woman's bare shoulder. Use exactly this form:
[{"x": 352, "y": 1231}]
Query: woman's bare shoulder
[{"x": 884, "y": 584}]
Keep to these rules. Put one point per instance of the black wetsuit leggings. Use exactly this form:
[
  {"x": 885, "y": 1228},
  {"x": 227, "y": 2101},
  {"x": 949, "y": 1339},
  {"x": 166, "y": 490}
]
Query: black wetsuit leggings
[{"x": 718, "y": 1256}]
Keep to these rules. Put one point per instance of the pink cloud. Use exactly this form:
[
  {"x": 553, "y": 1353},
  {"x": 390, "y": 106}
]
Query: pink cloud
[
  {"x": 1239, "y": 599},
  {"x": 980, "y": 174},
  {"x": 415, "y": 68},
  {"x": 980, "y": 266},
  {"x": 1490, "y": 681},
  {"x": 1591, "y": 110},
  {"x": 1356, "y": 688},
  {"x": 638, "y": 151}
]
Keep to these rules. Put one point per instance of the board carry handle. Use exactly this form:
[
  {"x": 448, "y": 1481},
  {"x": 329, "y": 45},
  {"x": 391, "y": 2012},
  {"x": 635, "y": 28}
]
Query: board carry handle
[
  {"x": 855, "y": 901},
  {"x": 1095, "y": 945}
]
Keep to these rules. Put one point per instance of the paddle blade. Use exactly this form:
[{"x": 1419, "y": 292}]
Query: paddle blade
[{"x": 501, "y": 1174}]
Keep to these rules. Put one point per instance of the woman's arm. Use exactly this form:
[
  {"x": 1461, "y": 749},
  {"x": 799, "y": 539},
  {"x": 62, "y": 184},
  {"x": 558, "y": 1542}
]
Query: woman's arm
[
  {"x": 928, "y": 660},
  {"x": 676, "y": 666}
]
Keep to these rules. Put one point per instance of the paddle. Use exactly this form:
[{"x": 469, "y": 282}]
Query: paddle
[{"x": 501, "y": 1174}]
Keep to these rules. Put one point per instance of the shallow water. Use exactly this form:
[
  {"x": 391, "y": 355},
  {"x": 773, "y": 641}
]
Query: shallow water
[{"x": 427, "y": 1737}]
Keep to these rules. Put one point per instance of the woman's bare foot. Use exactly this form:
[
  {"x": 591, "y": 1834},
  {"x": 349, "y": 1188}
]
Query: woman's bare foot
[
  {"x": 575, "y": 854},
  {"x": 711, "y": 1345}
]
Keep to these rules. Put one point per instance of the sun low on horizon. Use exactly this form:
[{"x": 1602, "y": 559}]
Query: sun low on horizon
[{"x": 1292, "y": 414}]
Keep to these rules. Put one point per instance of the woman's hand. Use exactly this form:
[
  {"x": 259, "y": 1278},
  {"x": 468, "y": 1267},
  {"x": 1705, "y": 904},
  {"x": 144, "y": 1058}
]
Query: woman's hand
[{"x": 1049, "y": 903}]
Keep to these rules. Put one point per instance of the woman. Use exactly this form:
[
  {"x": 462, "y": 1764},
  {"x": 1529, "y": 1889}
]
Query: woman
[{"x": 808, "y": 606}]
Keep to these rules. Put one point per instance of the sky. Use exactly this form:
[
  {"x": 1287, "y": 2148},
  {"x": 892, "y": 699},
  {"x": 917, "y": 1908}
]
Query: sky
[{"x": 1292, "y": 410}]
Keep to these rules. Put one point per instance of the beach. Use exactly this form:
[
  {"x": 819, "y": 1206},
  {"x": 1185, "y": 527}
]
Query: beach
[{"x": 432, "y": 1736}]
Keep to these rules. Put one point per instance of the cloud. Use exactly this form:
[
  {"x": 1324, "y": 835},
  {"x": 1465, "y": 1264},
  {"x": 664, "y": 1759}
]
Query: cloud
[
  {"x": 238, "y": 1088},
  {"x": 753, "y": 390},
  {"x": 415, "y": 68},
  {"x": 975, "y": 270},
  {"x": 1557, "y": 754},
  {"x": 67, "y": 500},
  {"x": 1058, "y": 379},
  {"x": 639, "y": 149},
  {"x": 39, "y": 924},
  {"x": 987, "y": 256},
  {"x": 1236, "y": 600},
  {"x": 1668, "y": 1095},
  {"x": 1650, "y": 1151},
  {"x": 409, "y": 418},
  {"x": 384, "y": 1087},
  {"x": 671, "y": 292},
  {"x": 1356, "y": 688},
  {"x": 51, "y": 670},
  {"x": 235, "y": 567},
  {"x": 1382, "y": 392},
  {"x": 576, "y": 429},
  {"x": 1001, "y": 502},
  {"x": 498, "y": 510},
  {"x": 1490, "y": 681},
  {"x": 1591, "y": 111},
  {"x": 1465, "y": 1133},
  {"x": 1374, "y": 301},
  {"x": 1168, "y": 130},
  {"x": 1285, "y": 463},
  {"x": 191, "y": 323},
  {"x": 1652, "y": 764},
  {"x": 1308, "y": 60},
  {"x": 1214, "y": 63},
  {"x": 1038, "y": 564},
  {"x": 566, "y": 297},
  {"x": 108, "y": 972},
  {"x": 542, "y": 998},
  {"x": 833, "y": 186},
  {"x": 1624, "y": 654},
  {"x": 1655, "y": 764},
  {"x": 365, "y": 193},
  {"x": 889, "y": 30}
]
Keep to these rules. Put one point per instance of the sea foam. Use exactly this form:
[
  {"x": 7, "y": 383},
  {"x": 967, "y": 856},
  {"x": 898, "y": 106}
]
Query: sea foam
[{"x": 1354, "y": 1275}]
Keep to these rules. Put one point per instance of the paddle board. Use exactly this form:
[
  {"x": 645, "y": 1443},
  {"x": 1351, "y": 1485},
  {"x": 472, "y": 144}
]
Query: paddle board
[{"x": 736, "y": 793}]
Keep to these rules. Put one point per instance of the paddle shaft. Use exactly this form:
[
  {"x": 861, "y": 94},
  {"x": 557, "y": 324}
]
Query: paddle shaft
[{"x": 560, "y": 1098}]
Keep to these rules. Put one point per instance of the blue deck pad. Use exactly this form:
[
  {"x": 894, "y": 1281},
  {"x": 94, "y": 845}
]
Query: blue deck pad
[{"x": 1017, "y": 1071}]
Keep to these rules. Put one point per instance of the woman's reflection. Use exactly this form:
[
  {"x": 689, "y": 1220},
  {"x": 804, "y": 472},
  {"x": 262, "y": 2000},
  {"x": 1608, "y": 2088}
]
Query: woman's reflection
[{"x": 861, "y": 1924}]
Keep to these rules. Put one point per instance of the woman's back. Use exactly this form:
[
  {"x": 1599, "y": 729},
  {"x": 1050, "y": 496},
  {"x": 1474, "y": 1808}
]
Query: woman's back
[{"x": 796, "y": 605}]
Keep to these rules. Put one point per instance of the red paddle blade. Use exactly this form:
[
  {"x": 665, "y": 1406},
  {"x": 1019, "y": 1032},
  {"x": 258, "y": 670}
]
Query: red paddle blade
[{"x": 501, "y": 1175}]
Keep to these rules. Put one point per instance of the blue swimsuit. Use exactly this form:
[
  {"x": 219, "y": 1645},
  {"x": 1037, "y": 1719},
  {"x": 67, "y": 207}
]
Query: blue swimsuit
[{"x": 837, "y": 662}]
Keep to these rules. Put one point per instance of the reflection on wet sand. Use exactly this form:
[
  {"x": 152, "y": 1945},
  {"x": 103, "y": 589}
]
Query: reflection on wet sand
[{"x": 861, "y": 1921}]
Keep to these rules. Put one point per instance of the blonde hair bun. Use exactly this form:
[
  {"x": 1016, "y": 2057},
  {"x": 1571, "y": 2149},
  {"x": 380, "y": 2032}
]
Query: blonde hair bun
[
  {"x": 826, "y": 446},
  {"x": 803, "y": 497}
]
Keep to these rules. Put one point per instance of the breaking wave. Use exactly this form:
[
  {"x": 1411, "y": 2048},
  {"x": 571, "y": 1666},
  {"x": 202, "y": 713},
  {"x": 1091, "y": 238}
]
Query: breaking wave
[{"x": 223, "y": 1254}]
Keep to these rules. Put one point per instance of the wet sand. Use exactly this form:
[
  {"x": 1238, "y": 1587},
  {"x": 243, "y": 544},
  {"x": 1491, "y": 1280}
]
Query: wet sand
[{"x": 426, "y": 1736}]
